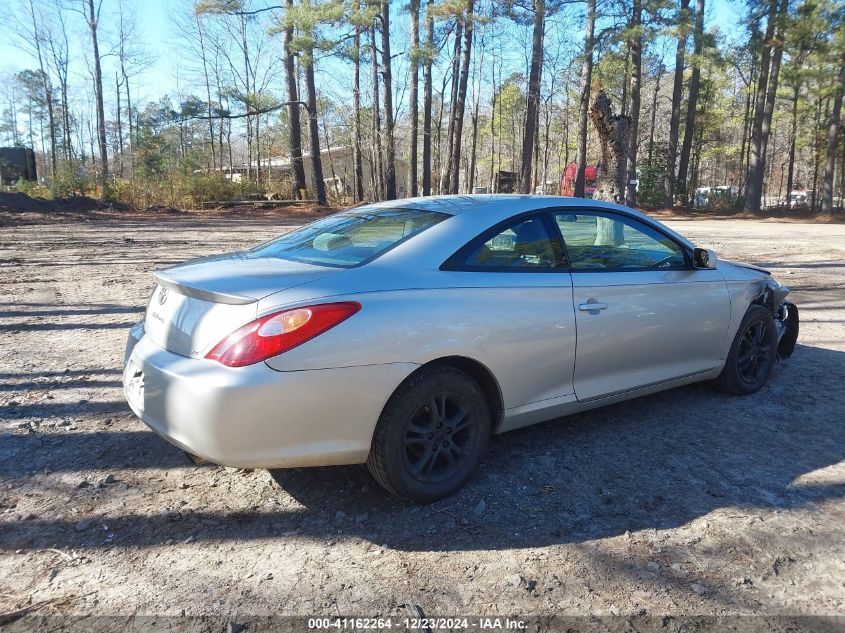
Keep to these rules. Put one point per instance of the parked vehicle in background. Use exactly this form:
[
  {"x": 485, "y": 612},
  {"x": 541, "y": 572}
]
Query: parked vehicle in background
[
  {"x": 716, "y": 198},
  {"x": 567, "y": 180},
  {"x": 800, "y": 199}
]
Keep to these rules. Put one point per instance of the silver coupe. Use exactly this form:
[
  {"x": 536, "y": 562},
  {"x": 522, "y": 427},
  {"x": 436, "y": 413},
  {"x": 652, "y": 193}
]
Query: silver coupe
[{"x": 403, "y": 334}]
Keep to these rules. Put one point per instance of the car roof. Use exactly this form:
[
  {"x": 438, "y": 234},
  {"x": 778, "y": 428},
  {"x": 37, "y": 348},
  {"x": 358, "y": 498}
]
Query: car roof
[
  {"x": 458, "y": 204},
  {"x": 501, "y": 205},
  {"x": 486, "y": 203}
]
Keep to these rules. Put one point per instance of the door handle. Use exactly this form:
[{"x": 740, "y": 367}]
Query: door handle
[{"x": 592, "y": 306}]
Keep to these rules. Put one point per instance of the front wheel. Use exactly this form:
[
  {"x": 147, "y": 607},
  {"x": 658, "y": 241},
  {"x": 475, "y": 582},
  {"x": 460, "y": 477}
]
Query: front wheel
[
  {"x": 431, "y": 435},
  {"x": 752, "y": 355}
]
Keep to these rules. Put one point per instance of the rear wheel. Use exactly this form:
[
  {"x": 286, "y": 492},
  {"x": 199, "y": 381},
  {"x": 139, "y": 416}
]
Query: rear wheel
[
  {"x": 752, "y": 355},
  {"x": 431, "y": 435}
]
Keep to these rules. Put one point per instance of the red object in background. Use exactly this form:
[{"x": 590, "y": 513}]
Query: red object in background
[{"x": 567, "y": 180}]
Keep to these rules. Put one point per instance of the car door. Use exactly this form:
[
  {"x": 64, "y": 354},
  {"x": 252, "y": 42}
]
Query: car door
[
  {"x": 509, "y": 294},
  {"x": 643, "y": 314}
]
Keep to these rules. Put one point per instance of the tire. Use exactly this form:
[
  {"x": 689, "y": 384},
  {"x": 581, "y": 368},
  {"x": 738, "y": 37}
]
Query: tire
[
  {"x": 752, "y": 355},
  {"x": 414, "y": 458}
]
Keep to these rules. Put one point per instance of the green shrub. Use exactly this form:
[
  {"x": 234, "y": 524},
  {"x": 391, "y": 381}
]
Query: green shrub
[
  {"x": 650, "y": 189},
  {"x": 72, "y": 179},
  {"x": 32, "y": 189}
]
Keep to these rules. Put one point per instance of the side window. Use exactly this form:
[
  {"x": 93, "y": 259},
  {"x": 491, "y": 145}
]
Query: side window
[
  {"x": 525, "y": 245},
  {"x": 597, "y": 240}
]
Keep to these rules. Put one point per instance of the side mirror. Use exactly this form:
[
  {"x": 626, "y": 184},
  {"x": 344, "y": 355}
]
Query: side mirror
[{"x": 703, "y": 258}]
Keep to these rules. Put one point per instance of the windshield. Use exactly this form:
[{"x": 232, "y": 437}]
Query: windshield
[{"x": 351, "y": 237}]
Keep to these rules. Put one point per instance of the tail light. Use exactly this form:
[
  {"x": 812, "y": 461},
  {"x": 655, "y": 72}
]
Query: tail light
[{"x": 279, "y": 332}]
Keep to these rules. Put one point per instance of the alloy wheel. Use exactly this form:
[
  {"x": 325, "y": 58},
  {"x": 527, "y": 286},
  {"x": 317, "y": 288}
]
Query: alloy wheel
[
  {"x": 438, "y": 438},
  {"x": 754, "y": 352}
]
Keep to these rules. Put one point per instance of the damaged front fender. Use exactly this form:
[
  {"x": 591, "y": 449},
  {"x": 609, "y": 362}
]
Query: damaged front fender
[
  {"x": 773, "y": 296},
  {"x": 787, "y": 321}
]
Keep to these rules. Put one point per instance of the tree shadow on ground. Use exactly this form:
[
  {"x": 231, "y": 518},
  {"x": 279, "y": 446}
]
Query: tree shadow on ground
[
  {"x": 71, "y": 451},
  {"x": 29, "y": 310},
  {"x": 657, "y": 462}
]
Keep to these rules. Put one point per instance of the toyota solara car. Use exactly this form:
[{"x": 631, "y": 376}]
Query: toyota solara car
[{"x": 403, "y": 334}]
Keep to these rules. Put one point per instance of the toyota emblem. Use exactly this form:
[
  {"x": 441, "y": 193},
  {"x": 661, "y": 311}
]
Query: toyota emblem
[{"x": 162, "y": 296}]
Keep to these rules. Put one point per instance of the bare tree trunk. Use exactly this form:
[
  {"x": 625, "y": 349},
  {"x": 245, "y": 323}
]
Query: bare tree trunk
[
  {"x": 472, "y": 153},
  {"x": 842, "y": 167},
  {"x": 329, "y": 152},
  {"x": 358, "y": 166},
  {"x": 677, "y": 94},
  {"x": 427, "y": 97},
  {"x": 771, "y": 95},
  {"x": 816, "y": 152},
  {"x": 536, "y": 152},
  {"x": 584, "y": 105},
  {"x": 413, "y": 98},
  {"x": 68, "y": 149},
  {"x": 626, "y": 77},
  {"x": 566, "y": 126},
  {"x": 832, "y": 134},
  {"x": 533, "y": 106},
  {"x": 59, "y": 53},
  {"x": 91, "y": 144},
  {"x": 12, "y": 113},
  {"x": 460, "y": 105},
  {"x": 654, "y": 113},
  {"x": 48, "y": 89},
  {"x": 257, "y": 128},
  {"x": 224, "y": 129},
  {"x": 387, "y": 73},
  {"x": 446, "y": 172},
  {"x": 747, "y": 123},
  {"x": 492, "y": 135},
  {"x": 547, "y": 122},
  {"x": 98, "y": 95},
  {"x": 29, "y": 118},
  {"x": 478, "y": 63},
  {"x": 377, "y": 156},
  {"x": 119, "y": 128},
  {"x": 793, "y": 138},
  {"x": 692, "y": 101},
  {"x": 295, "y": 138},
  {"x": 614, "y": 131},
  {"x": 314, "y": 129},
  {"x": 247, "y": 91},
  {"x": 438, "y": 141},
  {"x": 201, "y": 37},
  {"x": 614, "y": 136},
  {"x": 756, "y": 162},
  {"x": 636, "y": 46}
]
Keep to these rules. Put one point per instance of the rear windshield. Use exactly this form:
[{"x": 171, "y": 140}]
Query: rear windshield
[{"x": 351, "y": 237}]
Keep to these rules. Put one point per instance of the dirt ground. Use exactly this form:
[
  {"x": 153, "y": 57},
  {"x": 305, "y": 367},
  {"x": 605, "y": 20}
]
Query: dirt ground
[{"x": 688, "y": 502}]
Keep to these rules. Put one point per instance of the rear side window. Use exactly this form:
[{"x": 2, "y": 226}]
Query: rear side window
[
  {"x": 524, "y": 245},
  {"x": 598, "y": 240},
  {"x": 350, "y": 238}
]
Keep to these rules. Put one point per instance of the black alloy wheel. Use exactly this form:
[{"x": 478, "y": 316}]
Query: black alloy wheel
[{"x": 438, "y": 438}]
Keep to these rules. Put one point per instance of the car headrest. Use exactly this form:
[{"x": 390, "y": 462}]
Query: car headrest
[
  {"x": 330, "y": 242},
  {"x": 531, "y": 238}
]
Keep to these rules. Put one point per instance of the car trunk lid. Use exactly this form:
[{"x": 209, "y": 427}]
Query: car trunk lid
[{"x": 195, "y": 305}]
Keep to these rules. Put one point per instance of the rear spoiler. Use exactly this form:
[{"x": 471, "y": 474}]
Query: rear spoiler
[{"x": 201, "y": 293}]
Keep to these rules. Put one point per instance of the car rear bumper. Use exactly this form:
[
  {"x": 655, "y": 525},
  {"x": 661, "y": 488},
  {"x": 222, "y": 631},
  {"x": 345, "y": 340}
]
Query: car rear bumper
[{"x": 255, "y": 416}]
